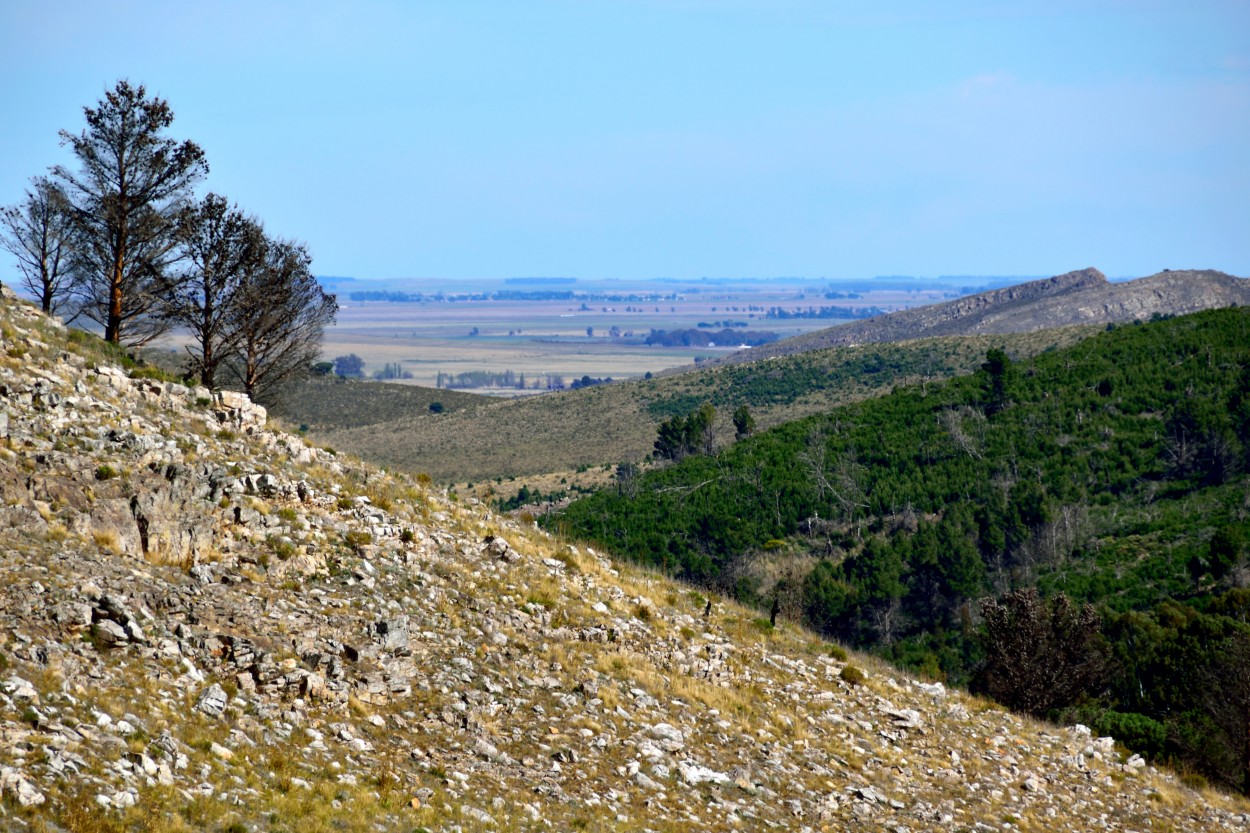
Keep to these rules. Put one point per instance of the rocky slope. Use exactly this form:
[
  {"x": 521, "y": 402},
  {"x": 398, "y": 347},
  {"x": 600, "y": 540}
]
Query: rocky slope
[
  {"x": 207, "y": 624},
  {"x": 1081, "y": 297}
]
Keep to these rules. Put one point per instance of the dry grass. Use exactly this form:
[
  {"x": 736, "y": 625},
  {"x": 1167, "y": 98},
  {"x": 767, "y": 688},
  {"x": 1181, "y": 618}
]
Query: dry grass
[{"x": 109, "y": 540}]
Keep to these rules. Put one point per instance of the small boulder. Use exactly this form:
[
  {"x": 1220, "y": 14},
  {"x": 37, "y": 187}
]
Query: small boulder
[
  {"x": 20, "y": 689},
  {"x": 392, "y": 633},
  {"x": 669, "y": 737},
  {"x": 110, "y": 633},
  {"x": 212, "y": 701},
  {"x": 14, "y": 785}
]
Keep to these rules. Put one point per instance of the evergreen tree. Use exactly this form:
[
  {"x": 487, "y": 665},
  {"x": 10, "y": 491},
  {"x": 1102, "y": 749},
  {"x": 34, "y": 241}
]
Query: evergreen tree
[{"x": 125, "y": 198}]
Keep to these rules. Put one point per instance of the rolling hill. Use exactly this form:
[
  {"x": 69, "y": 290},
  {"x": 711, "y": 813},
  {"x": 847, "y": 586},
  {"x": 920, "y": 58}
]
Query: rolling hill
[
  {"x": 483, "y": 438},
  {"x": 1115, "y": 471},
  {"x": 480, "y": 439}
]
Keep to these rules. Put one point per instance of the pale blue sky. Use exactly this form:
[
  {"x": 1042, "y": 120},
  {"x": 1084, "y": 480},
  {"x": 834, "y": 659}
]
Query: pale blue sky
[{"x": 688, "y": 138}]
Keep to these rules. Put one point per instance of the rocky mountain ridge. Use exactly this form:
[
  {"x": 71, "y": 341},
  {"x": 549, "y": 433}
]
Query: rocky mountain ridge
[
  {"x": 208, "y": 624},
  {"x": 1084, "y": 296}
]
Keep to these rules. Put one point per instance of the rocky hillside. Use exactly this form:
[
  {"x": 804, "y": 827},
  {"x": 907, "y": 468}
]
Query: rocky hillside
[
  {"x": 209, "y": 625},
  {"x": 1081, "y": 297}
]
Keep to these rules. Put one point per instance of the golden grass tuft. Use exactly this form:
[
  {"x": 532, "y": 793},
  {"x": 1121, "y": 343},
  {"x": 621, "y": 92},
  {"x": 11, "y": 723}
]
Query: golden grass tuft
[{"x": 108, "y": 540}]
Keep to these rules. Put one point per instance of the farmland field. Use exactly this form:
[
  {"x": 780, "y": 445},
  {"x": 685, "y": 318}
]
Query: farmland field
[{"x": 597, "y": 331}]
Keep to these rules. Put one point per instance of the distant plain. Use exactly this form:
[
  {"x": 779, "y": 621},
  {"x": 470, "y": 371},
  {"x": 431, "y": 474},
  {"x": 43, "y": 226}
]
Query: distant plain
[{"x": 541, "y": 338}]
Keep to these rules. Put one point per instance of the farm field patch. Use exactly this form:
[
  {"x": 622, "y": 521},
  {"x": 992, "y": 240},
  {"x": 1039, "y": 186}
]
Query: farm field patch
[{"x": 585, "y": 335}]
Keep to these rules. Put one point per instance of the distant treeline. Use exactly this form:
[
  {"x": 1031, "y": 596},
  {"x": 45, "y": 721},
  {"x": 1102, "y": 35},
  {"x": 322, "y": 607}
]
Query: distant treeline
[
  {"x": 824, "y": 312},
  {"x": 704, "y": 338},
  {"x": 506, "y": 379},
  {"x": 398, "y": 297}
]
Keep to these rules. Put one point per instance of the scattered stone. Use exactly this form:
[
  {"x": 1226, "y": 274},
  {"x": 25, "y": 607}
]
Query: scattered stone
[
  {"x": 201, "y": 546},
  {"x": 212, "y": 701},
  {"x": 669, "y": 738},
  {"x": 15, "y": 786},
  {"x": 392, "y": 633},
  {"x": 111, "y": 633},
  {"x": 695, "y": 774},
  {"x": 20, "y": 689}
]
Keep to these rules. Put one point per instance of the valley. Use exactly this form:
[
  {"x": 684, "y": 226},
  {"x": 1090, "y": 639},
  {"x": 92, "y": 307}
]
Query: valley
[
  {"x": 901, "y": 498},
  {"x": 813, "y": 514},
  {"x": 227, "y": 628}
]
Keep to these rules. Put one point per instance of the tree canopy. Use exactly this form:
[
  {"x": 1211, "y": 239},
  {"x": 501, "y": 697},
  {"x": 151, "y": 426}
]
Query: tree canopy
[
  {"x": 280, "y": 314},
  {"x": 131, "y": 182},
  {"x": 222, "y": 248}
]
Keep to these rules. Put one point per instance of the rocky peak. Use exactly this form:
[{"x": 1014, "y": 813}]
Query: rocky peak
[
  {"x": 210, "y": 622},
  {"x": 1081, "y": 297}
]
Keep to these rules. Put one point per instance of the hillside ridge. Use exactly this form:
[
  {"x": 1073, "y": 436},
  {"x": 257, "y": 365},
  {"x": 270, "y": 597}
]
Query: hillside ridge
[
  {"x": 209, "y": 624},
  {"x": 1084, "y": 296}
]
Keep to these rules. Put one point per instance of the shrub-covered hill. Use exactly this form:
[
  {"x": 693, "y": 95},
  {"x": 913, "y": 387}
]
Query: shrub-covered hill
[
  {"x": 208, "y": 625},
  {"x": 1114, "y": 470}
]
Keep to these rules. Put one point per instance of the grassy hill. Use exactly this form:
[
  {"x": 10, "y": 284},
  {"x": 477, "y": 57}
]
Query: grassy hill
[
  {"x": 332, "y": 403},
  {"x": 478, "y": 438},
  {"x": 1114, "y": 470}
]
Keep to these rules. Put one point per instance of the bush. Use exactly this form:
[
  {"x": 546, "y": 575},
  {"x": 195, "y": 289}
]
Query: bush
[
  {"x": 1194, "y": 781},
  {"x": 105, "y": 472},
  {"x": 1139, "y": 733},
  {"x": 358, "y": 538},
  {"x": 1040, "y": 655},
  {"x": 569, "y": 561},
  {"x": 148, "y": 371},
  {"x": 762, "y": 625},
  {"x": 852, "y": 675},
  {"x": 281, "y": 546}
]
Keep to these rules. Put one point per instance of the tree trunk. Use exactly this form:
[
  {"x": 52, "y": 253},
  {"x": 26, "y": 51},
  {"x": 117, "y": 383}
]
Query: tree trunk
[
  {"x": 113, "y": 326},
  {"x": 1245, "y": 763}
]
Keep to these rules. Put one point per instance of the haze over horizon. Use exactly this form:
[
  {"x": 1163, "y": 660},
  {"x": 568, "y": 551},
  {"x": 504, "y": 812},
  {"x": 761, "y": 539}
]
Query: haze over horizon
[{"x": 681, "y": 139}]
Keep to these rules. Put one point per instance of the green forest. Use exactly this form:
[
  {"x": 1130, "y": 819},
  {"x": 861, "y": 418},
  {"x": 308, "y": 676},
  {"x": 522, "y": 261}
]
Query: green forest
[{"x": 1066, "y": 533}]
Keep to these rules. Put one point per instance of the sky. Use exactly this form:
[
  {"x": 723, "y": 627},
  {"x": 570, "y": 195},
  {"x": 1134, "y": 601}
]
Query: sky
[{"x": 638, "y": 139}]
